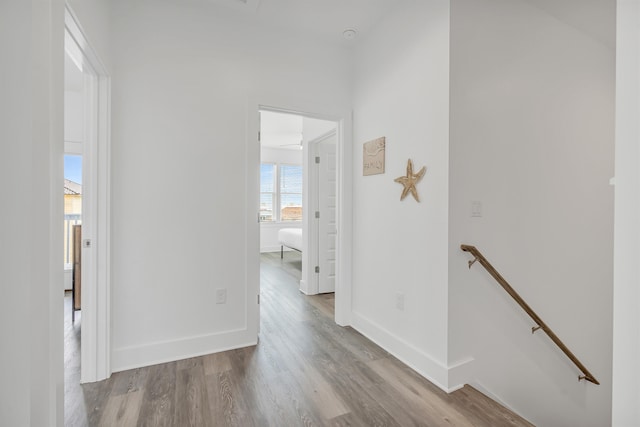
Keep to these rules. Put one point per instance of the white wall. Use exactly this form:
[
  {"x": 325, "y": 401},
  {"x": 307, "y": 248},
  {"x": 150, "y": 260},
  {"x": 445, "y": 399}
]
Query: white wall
[
  {"x": 269, "y": 230},
  {"x": 186, "y": 79},
  {"x": 532, "y": 125},
  {"x": 626, "y": 320},
  {"x": 401, "y": 93},
  {"x": 31, "y": 131},
  {"x": 73, "y": 116}
]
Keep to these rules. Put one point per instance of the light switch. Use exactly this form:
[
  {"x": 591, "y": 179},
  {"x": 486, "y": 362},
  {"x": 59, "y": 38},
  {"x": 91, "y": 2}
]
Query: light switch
[
  {"x": 221, "y": 296},
  {"x": 476, "y": 209}
]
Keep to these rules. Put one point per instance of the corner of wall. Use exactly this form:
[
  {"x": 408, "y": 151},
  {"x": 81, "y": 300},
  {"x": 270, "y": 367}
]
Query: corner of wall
[
  {"x": 459, "y": 374},
  {"x": 444, "y": 377}
]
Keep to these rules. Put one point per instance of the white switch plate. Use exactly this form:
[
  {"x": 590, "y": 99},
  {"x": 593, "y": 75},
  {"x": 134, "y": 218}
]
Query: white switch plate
[
  {"x": 476, "y": 209},
  {"x": 221, "y": 296},
  {"x": 400, "y": 301}
]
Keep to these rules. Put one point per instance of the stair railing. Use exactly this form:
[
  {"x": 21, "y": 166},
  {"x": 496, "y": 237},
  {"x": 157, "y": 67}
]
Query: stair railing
[{"x": 586, "y": 375}]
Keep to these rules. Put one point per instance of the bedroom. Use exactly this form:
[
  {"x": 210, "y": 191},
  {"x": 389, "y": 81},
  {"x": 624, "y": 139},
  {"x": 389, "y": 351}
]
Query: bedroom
[{"x": 295, "y": 186}]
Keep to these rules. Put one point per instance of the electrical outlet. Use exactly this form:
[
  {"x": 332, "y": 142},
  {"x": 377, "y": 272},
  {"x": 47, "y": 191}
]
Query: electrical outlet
[
  {"x": 221, "y": 296},
  {"x": 400, "y": 301}
]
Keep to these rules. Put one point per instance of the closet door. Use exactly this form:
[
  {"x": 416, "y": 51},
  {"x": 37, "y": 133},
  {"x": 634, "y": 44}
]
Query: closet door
[{"x": 327, "y": 228}]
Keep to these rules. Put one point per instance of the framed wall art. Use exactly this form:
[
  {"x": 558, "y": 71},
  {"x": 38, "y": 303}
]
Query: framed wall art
[{"x": 373, "y": 157}]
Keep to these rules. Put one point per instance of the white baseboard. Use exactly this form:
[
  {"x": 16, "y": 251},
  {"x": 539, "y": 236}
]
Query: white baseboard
[
  {"x": 303, "y": 287},
  {"x": 416, "y": 359},
  {"x": 306, "y": 289},
  {"x": 482, "y": 389},
  {"x": 460, "y": 373},
  {"x": 168, "y": 351}
]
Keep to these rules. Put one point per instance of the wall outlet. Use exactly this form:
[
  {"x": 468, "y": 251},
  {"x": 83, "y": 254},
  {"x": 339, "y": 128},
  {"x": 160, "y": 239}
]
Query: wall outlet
[
  {"x": 400, "y": 301},
  {"x": 221, "y": 296}
]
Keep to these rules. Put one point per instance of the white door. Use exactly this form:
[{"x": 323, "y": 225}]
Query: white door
[{"x": 327, "y": 229}]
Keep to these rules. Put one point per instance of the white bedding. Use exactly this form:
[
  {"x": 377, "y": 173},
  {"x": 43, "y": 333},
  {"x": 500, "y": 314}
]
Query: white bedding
[{"x": 291, "y": 238}]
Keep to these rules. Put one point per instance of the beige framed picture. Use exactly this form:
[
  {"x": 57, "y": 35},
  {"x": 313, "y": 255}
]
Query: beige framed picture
[{"x": 373, "y": 157}]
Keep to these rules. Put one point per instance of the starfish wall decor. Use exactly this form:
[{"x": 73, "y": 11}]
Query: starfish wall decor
[{"x": 410, "y": 180}]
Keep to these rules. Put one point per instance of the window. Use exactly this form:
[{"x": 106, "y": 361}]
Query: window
[
  {"x": 290, "y": 193},
  {"x": 267, "y": 192},
  {"x": 72, "y": 202},
  {"x": 280, "y": 192}
]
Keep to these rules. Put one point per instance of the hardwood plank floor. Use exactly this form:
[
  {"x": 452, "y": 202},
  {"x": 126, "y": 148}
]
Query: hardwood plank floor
[{"x": 306, "y": 371}]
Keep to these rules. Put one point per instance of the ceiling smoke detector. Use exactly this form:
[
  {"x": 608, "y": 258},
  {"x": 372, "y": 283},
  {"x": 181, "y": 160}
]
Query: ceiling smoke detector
[
  {"x": 349, "y": 34},
  {"x": 244, "y": 5}
]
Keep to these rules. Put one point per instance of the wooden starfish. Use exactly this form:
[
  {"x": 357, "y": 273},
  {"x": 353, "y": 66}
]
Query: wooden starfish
[{"x": 410, "y": 180}]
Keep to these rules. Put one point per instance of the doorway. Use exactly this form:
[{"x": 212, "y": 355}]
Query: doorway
[
  {"x": 90, "y": 139},
  {"x": 298, "y": 202}
]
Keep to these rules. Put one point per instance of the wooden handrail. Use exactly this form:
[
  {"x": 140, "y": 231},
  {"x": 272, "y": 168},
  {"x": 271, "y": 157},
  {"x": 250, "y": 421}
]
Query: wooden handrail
[{"x": 586, "y": 375}]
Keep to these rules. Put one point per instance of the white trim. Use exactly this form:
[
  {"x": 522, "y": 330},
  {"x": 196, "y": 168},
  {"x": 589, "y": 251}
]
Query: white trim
[
  {"x": 96, "y": 336},
  {"x": 89, "y": 300},
  {"x": 344, "y": 216},
  {"x": 309, "y": 281},
  {"x": 104, "y": 228},
  {"x": 88, "y": 53},
  {"x": 73, "y": 147},
  {"x": 252, "y": 214},
  {"x": 170, "y": 350},
  {"x": 460, "y": 373},
  {"x": 421, "y": 362}
]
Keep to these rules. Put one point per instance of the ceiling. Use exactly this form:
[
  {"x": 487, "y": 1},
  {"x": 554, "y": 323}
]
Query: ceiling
[
  {"x": 287, "y": 131},
  {"x": 326, "y": 19},
  {"x": 597, "y": 18}
]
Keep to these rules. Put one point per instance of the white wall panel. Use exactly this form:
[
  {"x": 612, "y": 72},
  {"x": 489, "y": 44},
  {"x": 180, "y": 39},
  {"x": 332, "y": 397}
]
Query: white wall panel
[{"x": 532, "y": 138}]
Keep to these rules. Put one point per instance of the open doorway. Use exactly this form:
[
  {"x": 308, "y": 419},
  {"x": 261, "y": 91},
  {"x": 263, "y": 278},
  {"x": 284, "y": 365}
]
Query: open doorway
[
  {"x": 87, "y": 124},
  {"x": 74, "y": 134},
  {"x": 298, "y": 200},
  {"x": 87, "y": 140}
]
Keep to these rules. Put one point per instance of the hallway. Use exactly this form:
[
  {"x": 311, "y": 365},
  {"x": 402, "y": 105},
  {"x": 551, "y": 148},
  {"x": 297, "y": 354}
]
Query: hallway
[{"x": 305, "y": 370}]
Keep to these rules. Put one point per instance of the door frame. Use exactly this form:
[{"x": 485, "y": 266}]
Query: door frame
[
  {"x": 96, "y": 152},
  {"x": 344, "y": 132}
]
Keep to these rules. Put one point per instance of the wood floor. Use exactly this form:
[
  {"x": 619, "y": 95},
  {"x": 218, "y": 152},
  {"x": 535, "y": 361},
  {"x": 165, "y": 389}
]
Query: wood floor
[{"x": 306, "y": 371}]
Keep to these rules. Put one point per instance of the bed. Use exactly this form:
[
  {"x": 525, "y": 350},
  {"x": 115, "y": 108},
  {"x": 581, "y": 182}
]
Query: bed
[{"x": 291, "y": 238}]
